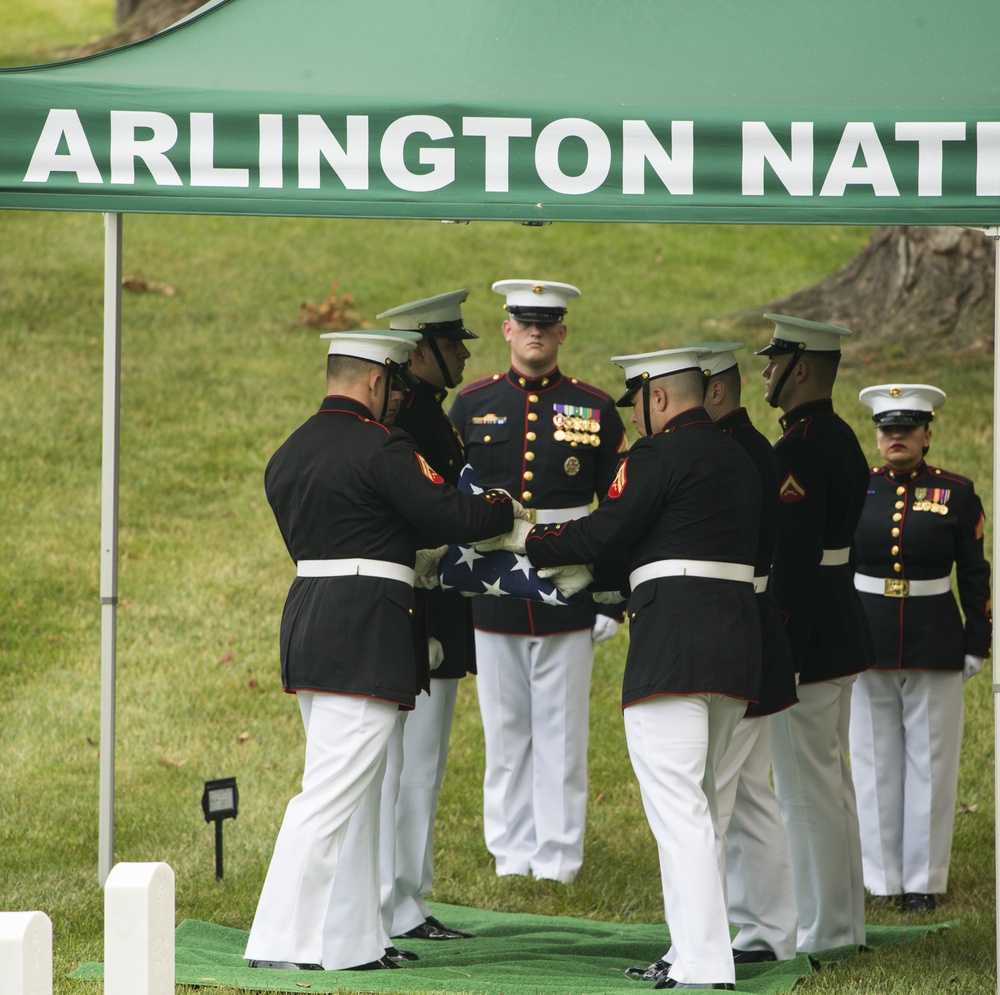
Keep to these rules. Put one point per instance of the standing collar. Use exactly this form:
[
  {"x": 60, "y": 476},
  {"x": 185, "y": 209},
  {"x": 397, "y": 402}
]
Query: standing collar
[
  {"x": 338, "y": 402},
  {"x": 429, "y": 392},
  {"x": 693, "y": 416},
  {"x": 905, "y": 476},
  {"x": 524, "y": 382},
  {"x": 739, "y": 418},
  {"x": 824, "y": 406}
]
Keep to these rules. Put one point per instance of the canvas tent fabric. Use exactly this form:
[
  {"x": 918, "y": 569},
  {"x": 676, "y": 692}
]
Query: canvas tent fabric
[{"x": 528, "y": 110}]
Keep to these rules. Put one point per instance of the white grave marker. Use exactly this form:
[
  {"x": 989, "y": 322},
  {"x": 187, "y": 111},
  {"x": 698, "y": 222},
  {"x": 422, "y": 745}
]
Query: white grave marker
[
  {"x": 139, "y": 930},
  {"x": 26, "y": 953}
]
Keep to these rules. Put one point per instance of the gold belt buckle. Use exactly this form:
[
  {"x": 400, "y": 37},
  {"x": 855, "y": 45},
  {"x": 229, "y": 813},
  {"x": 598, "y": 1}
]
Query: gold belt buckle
[
  {"x": 896, "y": 587},
  {"x": 532, "y": 514}
]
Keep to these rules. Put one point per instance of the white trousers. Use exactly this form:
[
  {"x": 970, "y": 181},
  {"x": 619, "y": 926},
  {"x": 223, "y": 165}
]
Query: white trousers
[
  {"x": 534, "y": 695},
  {"x": 812, "y": 781},
  {"x": 356, "y": 923},
  {"x": 425, "y": 754},
  {"x": 906, "y": 737},
  {"x": 676, "y": 742},
  {"x": 760, "y": 887},
  {"x": 346, "y": 739}
]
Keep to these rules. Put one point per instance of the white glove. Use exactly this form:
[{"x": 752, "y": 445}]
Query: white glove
[
  {"x": 426, "y": 566},
  {"x": 520, "y": 514},
  {"x": 608, "y": 597},
  {"x": 973, "y": 664},
  {"x": 435, "y": 652},
  {"x": 569, "y": 580},
  {"x": 511, "y": 542},
  {"x": 605, "y": 627}
]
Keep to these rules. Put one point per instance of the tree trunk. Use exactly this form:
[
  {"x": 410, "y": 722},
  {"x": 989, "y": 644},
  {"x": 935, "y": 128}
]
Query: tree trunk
[
  {"x": 932, "y": 286},
  {"x": 139, "y": 19}
]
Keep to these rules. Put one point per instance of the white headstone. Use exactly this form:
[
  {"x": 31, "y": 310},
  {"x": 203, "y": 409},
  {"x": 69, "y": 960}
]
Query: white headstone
[
  {"x": 26, "y": 953},
  {"x": 139, "y": 930}
]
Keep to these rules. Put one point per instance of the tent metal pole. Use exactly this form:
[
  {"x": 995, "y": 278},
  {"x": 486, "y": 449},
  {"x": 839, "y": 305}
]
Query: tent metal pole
[
  {"x": 994, "y": 233},
  {"x": 109, "y": 534}
]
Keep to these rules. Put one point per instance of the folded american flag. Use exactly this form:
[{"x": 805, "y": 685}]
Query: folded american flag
[{"x": 497, "y": 573}]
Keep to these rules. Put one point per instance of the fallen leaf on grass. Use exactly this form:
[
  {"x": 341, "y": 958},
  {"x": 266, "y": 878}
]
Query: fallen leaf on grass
[
  {"x": 970, "y": 809},
  {"x": 227, "y": 658},
  {"x": 242, "y": 737},
  {"x": 167, "y": 762},
  {"x": 252, "y": 683},
  {"x": 139, "y": 286}
]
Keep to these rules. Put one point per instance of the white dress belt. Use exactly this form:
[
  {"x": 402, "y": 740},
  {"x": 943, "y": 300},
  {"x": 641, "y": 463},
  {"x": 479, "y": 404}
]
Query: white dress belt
[
  {"x": 544, "y": 516},
  {"x": 836, "y": 557},
  {"x": 760, "y": 583},
  {"x": 896, "y": 587},
  {"x": 356, "y": 566},
  {"x": 711, "y": 569}
]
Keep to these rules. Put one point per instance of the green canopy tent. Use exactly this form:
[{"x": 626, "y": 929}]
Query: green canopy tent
[{"x": 697, "y": 111}]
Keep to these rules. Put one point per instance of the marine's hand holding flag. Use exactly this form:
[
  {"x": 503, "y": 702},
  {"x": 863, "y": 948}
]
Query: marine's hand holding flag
[
  {"x": 425, "y": 568},
  {"x": 509, "y": 542},
  {"x": 570, "y": 579}
]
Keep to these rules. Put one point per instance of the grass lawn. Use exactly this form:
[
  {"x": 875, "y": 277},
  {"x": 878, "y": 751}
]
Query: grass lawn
[{"x": 214, "y": 377}]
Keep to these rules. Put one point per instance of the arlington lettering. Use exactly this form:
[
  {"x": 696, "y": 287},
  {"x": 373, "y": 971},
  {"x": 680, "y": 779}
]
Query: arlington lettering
[{"x": 421, "y": 153}]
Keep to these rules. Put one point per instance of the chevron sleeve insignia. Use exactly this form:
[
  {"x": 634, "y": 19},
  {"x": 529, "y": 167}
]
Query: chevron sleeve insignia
[
  {"x": 428, "y": 471},
  {"x": 791, "y": 490}
]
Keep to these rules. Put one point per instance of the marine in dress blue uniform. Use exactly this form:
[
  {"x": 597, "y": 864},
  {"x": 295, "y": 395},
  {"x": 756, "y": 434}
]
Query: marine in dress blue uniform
[
  {"x": 682, "y": 518},
  {"x": 354, "y": 501},
  {"x": 919, "y": 522},
  {"x": 553, "y": 442},
  {"x": 442, "y": 622},
  {"x": 823, "y": 477},
  {"x": 444, "y": 648}
]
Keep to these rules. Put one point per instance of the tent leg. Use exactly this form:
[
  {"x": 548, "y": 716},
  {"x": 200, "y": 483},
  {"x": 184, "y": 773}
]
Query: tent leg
[
  {"x": 109, "y": 534},
  {"x": 994, "y": 233}
]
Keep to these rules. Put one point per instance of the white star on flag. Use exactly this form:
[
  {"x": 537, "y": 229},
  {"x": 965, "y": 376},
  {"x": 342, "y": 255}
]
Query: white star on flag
[
  {"x": 521, "y": 563},
  {"x": 467, "y": 556},
  {"x": 494, "y": 590}
]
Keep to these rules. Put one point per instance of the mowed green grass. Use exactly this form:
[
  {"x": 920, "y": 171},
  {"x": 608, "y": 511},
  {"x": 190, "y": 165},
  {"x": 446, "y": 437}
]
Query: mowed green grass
[{"x": 214, "y": 378}]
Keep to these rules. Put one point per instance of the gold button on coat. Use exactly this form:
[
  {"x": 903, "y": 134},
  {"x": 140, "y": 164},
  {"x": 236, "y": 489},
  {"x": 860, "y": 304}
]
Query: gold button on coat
[
  {"x": 528, "y": 475},
  {"x": 529, "y": 456},
  {"x": 901, "y": 491},
  {"x": 531, "y": 437},
  {"x": 897, "y": 517},
  {"x": 532, "y": 416},
  {"x": 533, "y": 398},
  {"x": 895, "y": 533},
  {"x": 526, "y": 495},
  {"x": 897, "y": 567}
]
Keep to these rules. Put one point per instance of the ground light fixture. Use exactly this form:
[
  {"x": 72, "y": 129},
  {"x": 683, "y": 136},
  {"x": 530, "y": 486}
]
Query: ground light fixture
[{"x": 220, "y": 800}]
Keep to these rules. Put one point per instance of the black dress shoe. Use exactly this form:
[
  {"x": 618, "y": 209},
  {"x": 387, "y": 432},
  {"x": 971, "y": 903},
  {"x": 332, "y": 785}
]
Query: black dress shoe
[
  {"x": 431, "y": 929},
  {"x": 656, "y": 971},
  {"x": 382, "y": 964},
  {"x": 285, "y": 965},
  {"x": 918, "y": 903},
  {"x": 714, "y": 986},
  {"x": 399, "y": 956},
  {"x": 753, "y": 956}
]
